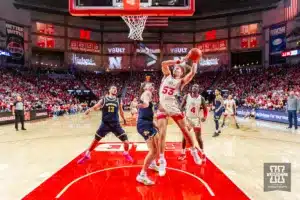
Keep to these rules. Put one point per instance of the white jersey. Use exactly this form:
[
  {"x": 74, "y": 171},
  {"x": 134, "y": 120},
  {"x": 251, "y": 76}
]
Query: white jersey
[
  {"x": 229, "y": 105},
  {"x": 193, "y": 106},
  {"x": 133, "y": 107},
  {"x": 133, "y": 104},
  {"x": 169, "y": 89},
  {"x": 168, "y": 92}
]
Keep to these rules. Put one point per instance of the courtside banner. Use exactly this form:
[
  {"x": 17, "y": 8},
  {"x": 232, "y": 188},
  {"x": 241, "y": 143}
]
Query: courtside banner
[
  {"x": 273, "y": 116},
  {"x": 39, "y": 114},
  {"x": 242, "y": 112},
  {"x": 6, "y": 118},
  {"x": 267, "y": 115}
]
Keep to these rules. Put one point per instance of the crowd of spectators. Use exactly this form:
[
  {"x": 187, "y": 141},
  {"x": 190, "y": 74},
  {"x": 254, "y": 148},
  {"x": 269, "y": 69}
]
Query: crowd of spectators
[
  {"x": 264, "y": 88},
  {"x": 38, "y": 92}
]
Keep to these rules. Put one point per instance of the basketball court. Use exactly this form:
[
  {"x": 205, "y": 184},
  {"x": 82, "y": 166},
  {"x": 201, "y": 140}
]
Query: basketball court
[{"x": 40, "y": 163}]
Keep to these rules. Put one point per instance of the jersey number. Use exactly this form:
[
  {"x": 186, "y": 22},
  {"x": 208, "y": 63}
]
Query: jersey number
[
  {"x": 111, "y": 109},
  {"x": 193, "y": 110},
  {"x": 168, "y": 90}
]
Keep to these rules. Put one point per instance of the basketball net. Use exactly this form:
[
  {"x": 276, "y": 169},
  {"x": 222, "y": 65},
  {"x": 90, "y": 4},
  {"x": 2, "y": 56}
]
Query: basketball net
[{"x": 136, "y": 25}]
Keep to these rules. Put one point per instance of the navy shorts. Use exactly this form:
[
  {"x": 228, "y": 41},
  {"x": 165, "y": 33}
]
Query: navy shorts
[
  {"x": 107, "y": 127},
  {"x": 217, "y": 115},
  {"x": 146, "y": 129}
]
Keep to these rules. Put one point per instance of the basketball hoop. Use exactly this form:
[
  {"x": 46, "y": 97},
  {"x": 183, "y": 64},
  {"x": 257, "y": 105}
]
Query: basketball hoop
[{"x": 136, "y": 25}]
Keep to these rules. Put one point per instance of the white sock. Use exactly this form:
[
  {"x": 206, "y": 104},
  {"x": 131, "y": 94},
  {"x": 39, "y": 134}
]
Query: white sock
[
  {"x": 183, "y": 151},
  {"x": 143, "y": 173},
  {"x": 153, "y": 162},
  {"x": 193, "y": 149},
  {"x": 162, "y": 156},
  {"x": 87, "y": 153},
  {"x": 125, "y": 152}
]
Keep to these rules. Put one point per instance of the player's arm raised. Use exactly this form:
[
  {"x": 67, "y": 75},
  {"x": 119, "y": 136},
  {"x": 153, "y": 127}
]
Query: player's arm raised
[
  {"x": 165, "y": 66},
  {"x": 183, "y": 103},
  {"x": 205, "y": 109},
  {"x": 122, "y": 111},
  {"x": 146, "y": 100},
  {"x": 187, "y": 79},
  {"x": 97, "y": 106}
]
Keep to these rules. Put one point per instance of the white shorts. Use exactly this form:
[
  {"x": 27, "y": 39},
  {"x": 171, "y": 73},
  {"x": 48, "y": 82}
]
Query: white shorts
[
  {"x": 229, "y": 113},
  {"x": 134, "y": 110},
  {"x": 193, "y": 122},
  {"x": 169, "y": 110}
]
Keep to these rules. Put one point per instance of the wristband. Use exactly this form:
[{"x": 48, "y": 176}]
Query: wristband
[{"x": 178, "y": 62}]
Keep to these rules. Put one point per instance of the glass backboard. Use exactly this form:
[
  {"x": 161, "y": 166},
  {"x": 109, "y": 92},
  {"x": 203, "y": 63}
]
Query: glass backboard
[{"x": 132, "y": 7}]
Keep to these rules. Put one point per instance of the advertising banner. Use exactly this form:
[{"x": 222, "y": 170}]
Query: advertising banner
[
  {"x": 7, "y": 117},
  {"x": 147, "y": 56},
  {"x": 113, "y": 49},
  {"x": 116, "y": 62},
  {"x": 84, "y": 60},
  {"x": 277, "y": 39},
  {"x": 267, "y": 115},
  {"x": 38, "y": 114},
  {"x": 15, "y": 44},
  {"x": 177, "y": 49}
]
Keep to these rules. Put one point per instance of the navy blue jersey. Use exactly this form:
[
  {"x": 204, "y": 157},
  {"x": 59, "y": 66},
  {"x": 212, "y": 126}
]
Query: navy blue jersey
[
  {"x": 146, "y": 113},
  {"x": 145, "y": 125},
  {"x": 110, "y": 110},
  {"x": 218, "y": 104}
]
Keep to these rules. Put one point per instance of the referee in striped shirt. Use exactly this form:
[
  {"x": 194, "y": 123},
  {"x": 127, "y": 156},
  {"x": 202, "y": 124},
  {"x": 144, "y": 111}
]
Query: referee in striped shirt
[{"x": 18, "y": 111}]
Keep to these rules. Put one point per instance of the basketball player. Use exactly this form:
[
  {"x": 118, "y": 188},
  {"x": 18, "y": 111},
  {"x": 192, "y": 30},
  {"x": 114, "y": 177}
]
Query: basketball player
[
  {"x": 110, "y": 105},
  {"x": 148, "y": 130},
  {"x": 171, "y": 86},
  {"x": 192, "y": 104},
  {"x": 230, "y": 110},
  {"x": 133, "y": 107},
  {"x": 218, "y": 108}
]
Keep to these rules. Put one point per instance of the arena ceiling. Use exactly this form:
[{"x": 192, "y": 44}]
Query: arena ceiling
[{"x": 204, "y": 8}]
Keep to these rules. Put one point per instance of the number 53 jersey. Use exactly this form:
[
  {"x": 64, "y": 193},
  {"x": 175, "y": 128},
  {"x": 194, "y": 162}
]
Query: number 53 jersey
[{"x": 169, "y": 89}]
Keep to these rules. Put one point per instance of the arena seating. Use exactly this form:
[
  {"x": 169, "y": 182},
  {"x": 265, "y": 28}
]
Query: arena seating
[
  {"x": 268, "y": 88},
  {"x": 38, "y": 92}
]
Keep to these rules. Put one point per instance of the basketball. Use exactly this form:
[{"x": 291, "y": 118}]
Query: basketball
[{"x": 195, "y": 54}]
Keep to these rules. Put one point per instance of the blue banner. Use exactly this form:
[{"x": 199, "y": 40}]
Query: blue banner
[
  {"x": 267, "y": 115},
  {"x": 277, "y": 39}
]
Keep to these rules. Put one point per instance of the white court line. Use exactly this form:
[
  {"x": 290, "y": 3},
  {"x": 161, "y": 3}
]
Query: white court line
[
  {"x": 130, "y": 166},
  {"x": 227, "y": 175}
]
